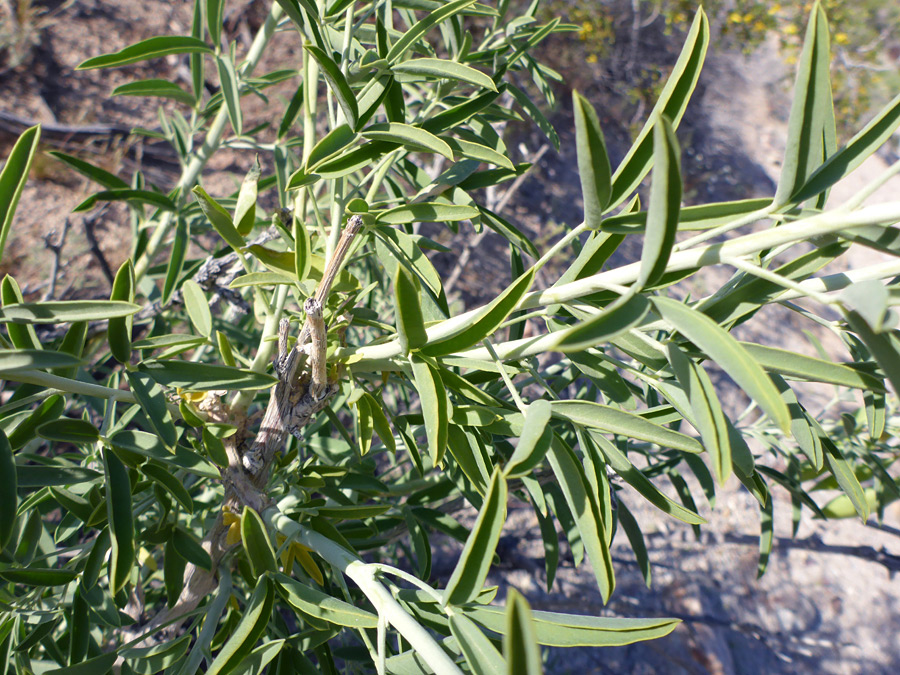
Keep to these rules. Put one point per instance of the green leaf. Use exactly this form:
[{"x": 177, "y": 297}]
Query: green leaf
[
  {"x": 13, "y": 177},
  {"x": 319, "y": 605},
  {"x": 332, "y": 143},
  {"x": 408, "y": 136},
  {"x": 843, "y": 473},
  {"x": 118, "y": 331},
  {"x": 337, "y": 83},
  {"x": 450, "y": 70},
  {"x": 811, "y": 369},
  {"x": 197, "y": 307},
  {"x": 215, "y": 12},
  {"x": 121, "y": 521},
  {"x": 66, "y": 311},
  {"x": 624, "y": 313},
  {"x": 534, "y": 441},
  {"x": 479, "y": 152},
  {"x": 204, "y": 376},
  {"x": 880, "y": 345},
  {"x": 766, "y": 536},
  {"x": 435, "y": 407},
  {"x": 380, "y": 423},
  {"x": 614, "y": 421},
  {"x": 151, "y": 48},
  {"x": 487, "y": 321},
  {"x": 17, "y": 360},
  {"x": 672, "y": 103},
  {"x": 474, "y": 563},
  {"x": 170, "y": 482},
  {"x": 479, "y": 652},
  {"x": 249, "y": 629},
  {"x": 520, "y": 641},
  {"x": 42, "y": 476},
  {"x": 410, "y": 324},
  {"x": 859, "y": 148},
  {"x": 701, "y": 217},
  {"x": 158, "y": 88},
  {"x": 718, "y": 345},
  {"x": 426, "y": 213},
  {"x": 219, "y": 218},
  {"x": 708, "y": 416},
  {"x": 593, "y": 161},
  {"x": 256, "y": 543},
  {"x": 582, "y": 504},
  {"x": 664, "y": 205},
  {"x": 190, "y": 548},
  {"x": 811, "y": 110},
  {"x": 636, "y": 539},
  {"x": 98, "y": 665},
  {"x": 151, "y": 660},
  {"x": 259, "y": 658},
  {"x": 22, "y": 337},
  {"x": 39, "y": 577},
  {"x": 68, "y": 430},
  {"x": 535, "y": 114},
  {"x": 231, "y": 92},
  {"x": 156, "y": 199},
  {"x": 620, "y": 463},
  {"x": 421, "y": 27},
  {"x": 8, "y": 487},
  {"x": 176, "y": 259},
  {"x": 245, "y": 209},
  {"x": 96, "y": 174}
]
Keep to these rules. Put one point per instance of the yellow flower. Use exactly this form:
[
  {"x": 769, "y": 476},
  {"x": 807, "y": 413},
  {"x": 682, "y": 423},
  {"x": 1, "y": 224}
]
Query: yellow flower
[
  {"x": 592, "y": 58},
  {"x": 586, "y": 29},
  {"x": 300, "y": 553},
  {"x": 841, "y": 38},
  {"x": 233, "y": 521},
  {"x": 734, "y": 17},
  {"x": 774, "y": 9}
]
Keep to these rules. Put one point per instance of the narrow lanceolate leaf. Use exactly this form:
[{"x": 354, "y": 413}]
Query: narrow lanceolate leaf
[
  {"x": 411, "y": 36},
  {"x": 219, "y": 218},
  {"x": 118, "y": 510},
  {"x": 700, "y": 217},
  {"x": 257, "y": 544},
  {"x": 474, "y": 563},
  {"x": 636, "y": 539},
  {"x": 17, "y": 360},
  {"x": 156, "y": 199},
  {"x": 322, "y": 606},
  {"x": 8, "y": 487},
  {"x": 426, "y": 213},
  {"x": 66, "y": 311},
  {"x": 337, "y": 83},
  {"x": 249, "y": 629},
  {"x": 148, "y": 49},
  {"x": 67, "y": 430},
  {"x": 718, "y": 345},
  {"x": 624, "y": 313},
  {"x": 620, "y": 463},
  {"x": 520, "y": 641},
  {"x": 332, "y": 143},
  {"x": 204, "y": 376},
  {"x": 811, "y": 369},
  {"x": 708, "y": 415},
  {"x": 42, "y": 476},
  {"x": 245, "y": 209},
  {"x": 176, "y": 259},
  {"x": 571, "y": 630},
  {"x": 536, "y": 115},
  {"x": 480, "y": 653},
  {"x": 170, "y": 482},
  {"x": 408, "y": 136},
  {"x": 152, "y": 400},
  {"x": 583, "y": 506},
  {"x": 593, "y": 161},
  {"x": 672, "y": 103},
  {"x": 119, "y": 328},
  {"x": 158, "y": 88},
  {"x": 380, "y": 423},
  {"x": 435, "y": 407},
  {"x": 855, "y": 152},
  {"x": 197, "y": 307},
  {"x": 13, "y": 177},
  {"x": 39, "y": 576},
  {"x": 842, "y": 470},
  {"x": 880, "y": 345},
  {"x": 190, "y": 548},
  {"x": 215, "y": 12},
  {"x": 664, "y": 205},
  {"x": 480, "y": 152},
  {"x": 534, "y": 441},
  {"x": 95, "y": 173},
  {"x": 812, "y": 110},
  {"x": 614, "y": 421},
  {"x": 231, "y": 92},
  {"x": 302, "y": 250},
  {"x": 488, "y": 320},
  {"x": 410, "y": 324},
  {"x": 450, "y": 70}
]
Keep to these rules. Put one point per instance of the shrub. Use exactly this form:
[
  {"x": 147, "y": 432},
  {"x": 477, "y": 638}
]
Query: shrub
[{"x": 182, "y": 486}]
